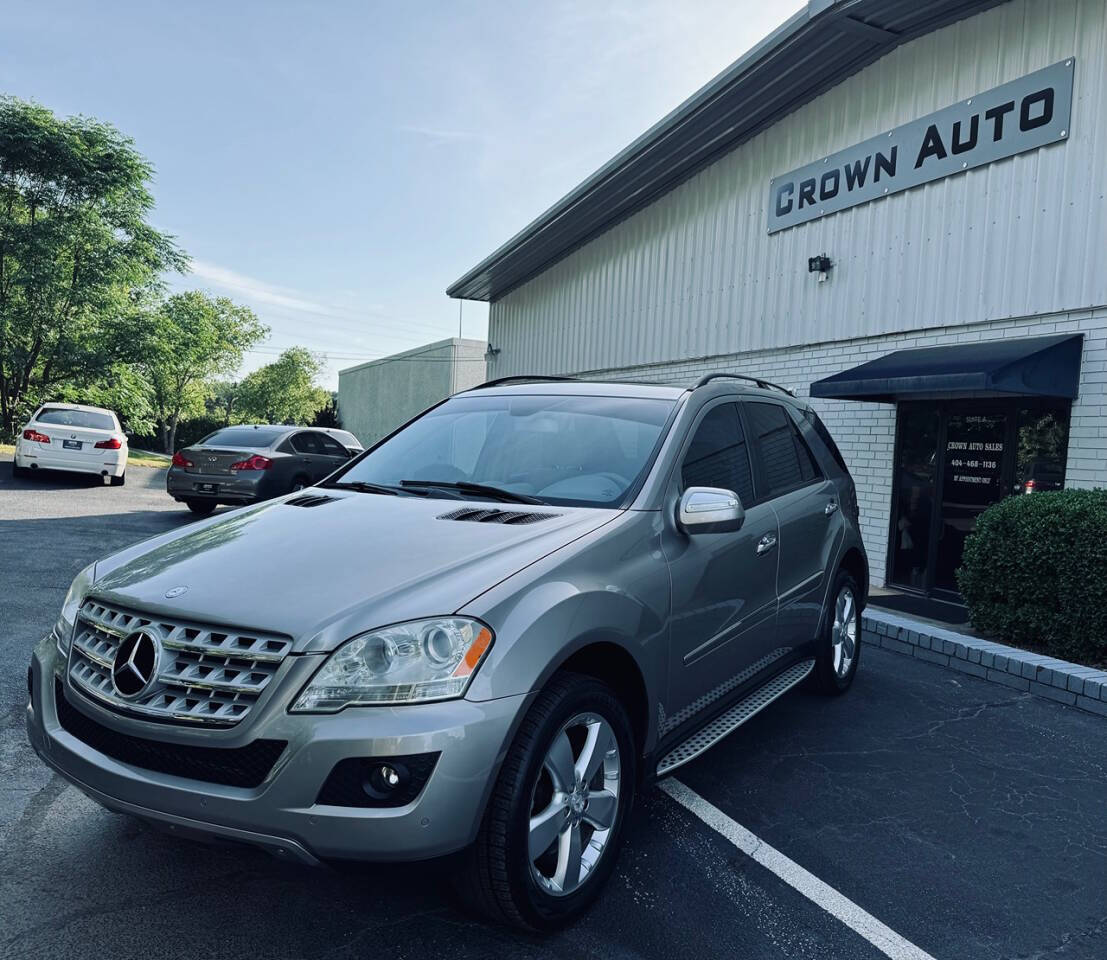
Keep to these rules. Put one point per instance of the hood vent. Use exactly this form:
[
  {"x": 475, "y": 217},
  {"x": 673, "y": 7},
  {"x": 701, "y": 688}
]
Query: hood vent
[
  {"x": 311, "y": 500},
  {"x": 509, "y": 517}
]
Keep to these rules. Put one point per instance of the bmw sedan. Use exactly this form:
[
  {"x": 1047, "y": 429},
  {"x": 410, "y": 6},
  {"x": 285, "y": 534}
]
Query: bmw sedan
[
  {"x": 75, "y": 438},
  {"x": 246, "y": 464}
]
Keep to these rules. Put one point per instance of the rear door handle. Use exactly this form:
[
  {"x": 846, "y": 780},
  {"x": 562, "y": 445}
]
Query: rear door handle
[
  {"x": 766, "y": 543},
  {"x": 831, "y": 507}
]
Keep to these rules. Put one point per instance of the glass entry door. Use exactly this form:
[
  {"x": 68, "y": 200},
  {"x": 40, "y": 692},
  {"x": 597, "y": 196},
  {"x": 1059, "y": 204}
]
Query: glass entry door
[
  {"x": 974, "y": 456},
  {"x": 954, "y": 459}
]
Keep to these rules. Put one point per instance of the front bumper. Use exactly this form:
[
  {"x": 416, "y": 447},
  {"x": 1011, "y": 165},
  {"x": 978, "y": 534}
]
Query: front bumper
[{"x": 281, "y": 814}]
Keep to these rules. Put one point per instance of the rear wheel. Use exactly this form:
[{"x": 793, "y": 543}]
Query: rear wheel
[
  {"x": 554, "y": 823},
  {"x": 120, "y": 480},
  {"x": 839, "y": 649},
  {"x": 201, "y": 508},
  {"x": 298, "y": 483},
  {"x": 23, "y": 473}
]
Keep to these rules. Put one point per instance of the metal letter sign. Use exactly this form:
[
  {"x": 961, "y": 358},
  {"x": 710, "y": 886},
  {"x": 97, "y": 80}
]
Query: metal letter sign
[{"x": 1021, "y": 115}]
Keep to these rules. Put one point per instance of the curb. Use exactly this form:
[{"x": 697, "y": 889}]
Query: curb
[{"x": 1082, "y": 687}]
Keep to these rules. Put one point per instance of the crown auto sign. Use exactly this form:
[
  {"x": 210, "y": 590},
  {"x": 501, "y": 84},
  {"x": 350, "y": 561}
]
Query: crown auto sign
[{"x": 1024, "y": 114}]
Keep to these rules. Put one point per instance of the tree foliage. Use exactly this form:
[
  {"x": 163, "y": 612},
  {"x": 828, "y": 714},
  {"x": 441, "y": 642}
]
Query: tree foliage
[
  {"x": 283, "y": 391},
  {"x": 77, "y": 255},
  {"x": 190, "y": 339}
]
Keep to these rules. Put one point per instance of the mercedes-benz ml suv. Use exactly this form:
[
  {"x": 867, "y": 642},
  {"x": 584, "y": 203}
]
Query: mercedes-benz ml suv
[{"x": 478, "y": 638}]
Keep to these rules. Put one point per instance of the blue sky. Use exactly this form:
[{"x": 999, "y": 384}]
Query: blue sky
[{"x": 336, "y": 164}]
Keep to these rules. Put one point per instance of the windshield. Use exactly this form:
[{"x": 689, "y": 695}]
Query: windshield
[
  {"x": 251, "y": 437},
  {"x": 76, "y": 418},
  {"x": 577, "y": 451}
]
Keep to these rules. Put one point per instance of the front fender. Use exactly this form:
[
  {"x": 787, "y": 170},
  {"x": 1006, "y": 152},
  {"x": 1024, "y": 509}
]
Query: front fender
[{"x": 613, "y": 589}]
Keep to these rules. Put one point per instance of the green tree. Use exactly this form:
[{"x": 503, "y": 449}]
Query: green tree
[
  {"x": 77, "y": 255},
  {"x": 123, "y": 388},
  {"x": 283, "y": 391},
  {"x": 190, "y": 339}
]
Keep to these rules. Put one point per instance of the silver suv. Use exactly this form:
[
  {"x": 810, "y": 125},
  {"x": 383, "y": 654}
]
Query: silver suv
[{"x": 478, "y": 638}]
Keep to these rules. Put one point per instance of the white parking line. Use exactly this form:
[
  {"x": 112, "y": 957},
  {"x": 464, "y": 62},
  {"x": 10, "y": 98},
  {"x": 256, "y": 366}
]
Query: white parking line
[{"x": 886, "y": 940}]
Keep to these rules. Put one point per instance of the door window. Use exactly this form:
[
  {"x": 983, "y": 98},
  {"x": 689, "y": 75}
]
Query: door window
[
  {"x": 717, "y": 455},
  {"x": 785, "y": 459},
  {"x": 329, "y": 446},
  {"x": 916, "y": 475},
  {"x": 305, "y": 443}
]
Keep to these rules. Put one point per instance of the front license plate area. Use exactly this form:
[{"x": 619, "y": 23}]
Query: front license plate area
[{"x": 71, "y": 444}]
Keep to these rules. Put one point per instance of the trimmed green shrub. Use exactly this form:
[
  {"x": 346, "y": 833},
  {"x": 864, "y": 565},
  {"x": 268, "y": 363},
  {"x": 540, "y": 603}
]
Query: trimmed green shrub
[{"x": 1035, "y": 572}]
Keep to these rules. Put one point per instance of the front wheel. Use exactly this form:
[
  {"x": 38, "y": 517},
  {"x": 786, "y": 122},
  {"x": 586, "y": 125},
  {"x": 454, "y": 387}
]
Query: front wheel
[
  {"x": 554, "y": 822},
  {"x": 839, "y": 647}
]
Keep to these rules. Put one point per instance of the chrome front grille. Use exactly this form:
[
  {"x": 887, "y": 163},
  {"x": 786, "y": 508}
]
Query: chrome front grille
[{"x": 202, "y": 674}]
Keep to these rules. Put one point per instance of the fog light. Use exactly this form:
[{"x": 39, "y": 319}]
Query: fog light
[{"x": 385, "y": 780}]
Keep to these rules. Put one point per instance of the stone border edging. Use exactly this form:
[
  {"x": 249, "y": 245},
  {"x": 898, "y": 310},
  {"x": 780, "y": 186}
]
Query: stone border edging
[{"x": 1082, "y": 687}]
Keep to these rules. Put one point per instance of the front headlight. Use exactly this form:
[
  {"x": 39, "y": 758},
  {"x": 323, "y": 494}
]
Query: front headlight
[
  {"x": 63, "y": 629},
  {"x": 407, "y": 663}
]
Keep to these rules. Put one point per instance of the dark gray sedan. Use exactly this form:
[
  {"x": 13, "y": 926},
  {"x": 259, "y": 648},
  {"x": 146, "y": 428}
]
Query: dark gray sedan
[{"x": 245, "y": 464}]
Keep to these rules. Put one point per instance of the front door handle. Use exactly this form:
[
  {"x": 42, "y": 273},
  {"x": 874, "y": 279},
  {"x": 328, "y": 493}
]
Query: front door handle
[
  {"x": 831, "y": 507},
  {"x": 766, "y": 543}
]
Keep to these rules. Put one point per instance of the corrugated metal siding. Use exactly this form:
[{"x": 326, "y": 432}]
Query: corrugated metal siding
[{"x": 695, "y": 274}]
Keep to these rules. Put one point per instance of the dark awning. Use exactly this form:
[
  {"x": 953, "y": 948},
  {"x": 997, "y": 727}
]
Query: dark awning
[{"x": 1029, "y": 366}]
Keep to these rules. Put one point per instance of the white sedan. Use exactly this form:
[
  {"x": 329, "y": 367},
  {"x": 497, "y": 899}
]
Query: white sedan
[{"x": 70, "y": 436}]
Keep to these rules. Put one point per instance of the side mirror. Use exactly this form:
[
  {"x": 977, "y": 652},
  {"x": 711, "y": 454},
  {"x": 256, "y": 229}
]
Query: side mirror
[{"x": 710, "y": 510}]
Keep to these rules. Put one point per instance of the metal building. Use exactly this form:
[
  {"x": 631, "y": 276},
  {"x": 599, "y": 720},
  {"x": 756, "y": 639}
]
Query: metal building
[
  {"x": 376, "y": 397},
  {"x": 876, "y": 179}
]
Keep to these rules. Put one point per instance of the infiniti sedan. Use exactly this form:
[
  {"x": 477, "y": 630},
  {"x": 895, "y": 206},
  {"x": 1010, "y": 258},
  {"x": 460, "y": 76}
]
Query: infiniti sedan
[{"x": 246, "y": 464}]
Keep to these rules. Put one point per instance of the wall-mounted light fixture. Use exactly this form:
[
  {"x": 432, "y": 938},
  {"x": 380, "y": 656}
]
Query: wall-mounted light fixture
[
  {"x": 491, "y": 353},
  {"x": 820, "y": 265}
]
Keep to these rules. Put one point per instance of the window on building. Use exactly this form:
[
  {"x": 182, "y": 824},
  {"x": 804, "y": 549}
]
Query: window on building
[
  {"x": 718, "y": 456},
  {"x": 784, "y": 456}
]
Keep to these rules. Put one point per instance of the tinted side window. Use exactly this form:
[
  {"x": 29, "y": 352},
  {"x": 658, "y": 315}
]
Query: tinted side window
[
  {"x": 785, "y": 459},
  {"x": 304, "y": 443},
  {"x": 717, "y": 456},
  {"x": 330, "y": 446},
  {"x": 828, "y": 441}
]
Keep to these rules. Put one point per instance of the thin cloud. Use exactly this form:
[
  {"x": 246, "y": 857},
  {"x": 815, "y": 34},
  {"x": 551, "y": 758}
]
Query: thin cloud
[
  {"x": 444, "y": 135},
  {"x": 258, "y": 291}
]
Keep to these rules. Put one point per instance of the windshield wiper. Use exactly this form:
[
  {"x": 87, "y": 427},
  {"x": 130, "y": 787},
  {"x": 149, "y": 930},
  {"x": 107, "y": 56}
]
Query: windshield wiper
[
  {"x": 363, "y": 486},
  {"x": 478, "y": 489}
]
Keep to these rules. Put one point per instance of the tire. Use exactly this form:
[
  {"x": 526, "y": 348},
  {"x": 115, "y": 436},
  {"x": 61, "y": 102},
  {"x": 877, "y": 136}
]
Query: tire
[
  {"x": 21, "y": 473},
  {"x": 202, "y": 508},
  {"x": 835, "y": 666},
  {"x": 120, "y": 480},
  {"x": 299, "y": 482},
  {"x": 496, "y": 875}
]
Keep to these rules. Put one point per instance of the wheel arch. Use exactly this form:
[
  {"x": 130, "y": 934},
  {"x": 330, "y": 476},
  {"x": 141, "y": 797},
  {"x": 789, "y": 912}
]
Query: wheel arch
[{"x": 612, "y": 664}]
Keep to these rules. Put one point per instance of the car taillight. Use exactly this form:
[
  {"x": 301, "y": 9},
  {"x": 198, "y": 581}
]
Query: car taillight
[
  {"x": 253, "y": 463},
  {"x": 1029, "y": 486},
  {"x": 35, "y": 437},
  {"x": 180, "y": 460},
  {"x": 113, "y": 444}
]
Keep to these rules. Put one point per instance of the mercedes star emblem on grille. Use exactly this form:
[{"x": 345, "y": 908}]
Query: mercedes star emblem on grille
[{"x": 136, "y": 664}]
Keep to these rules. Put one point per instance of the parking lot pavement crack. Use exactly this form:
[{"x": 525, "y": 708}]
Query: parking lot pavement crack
[
  {"x": 965, "y": 714},
  {"x": 1091, "y": 934}
]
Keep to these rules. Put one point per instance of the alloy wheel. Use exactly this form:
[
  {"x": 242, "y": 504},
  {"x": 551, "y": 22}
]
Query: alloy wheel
[
  {"x": 574, "y": 804},
  {"x": 843, "y": 637}
]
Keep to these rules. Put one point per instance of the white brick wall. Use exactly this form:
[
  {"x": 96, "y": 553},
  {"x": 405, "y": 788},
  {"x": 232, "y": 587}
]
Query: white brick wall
[{"x": 865, "y": 432}]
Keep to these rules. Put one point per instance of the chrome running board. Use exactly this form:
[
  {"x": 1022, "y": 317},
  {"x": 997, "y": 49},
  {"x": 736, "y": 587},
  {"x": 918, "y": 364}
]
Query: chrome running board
[{"x": 729, "y": 721}]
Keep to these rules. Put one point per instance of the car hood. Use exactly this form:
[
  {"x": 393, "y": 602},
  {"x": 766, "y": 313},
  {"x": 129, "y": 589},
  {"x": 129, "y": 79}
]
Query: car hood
[{"x": 321, "y": 574}]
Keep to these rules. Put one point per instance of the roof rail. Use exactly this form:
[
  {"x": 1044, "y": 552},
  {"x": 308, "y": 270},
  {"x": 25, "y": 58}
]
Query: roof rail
[
  {"x": 763, "y": 384},
  {"x": 500, "y": 381}
]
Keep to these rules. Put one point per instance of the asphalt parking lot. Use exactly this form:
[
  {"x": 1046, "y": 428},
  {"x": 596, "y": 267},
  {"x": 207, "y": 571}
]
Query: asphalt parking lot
[{"x": 969, "y": 819}]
